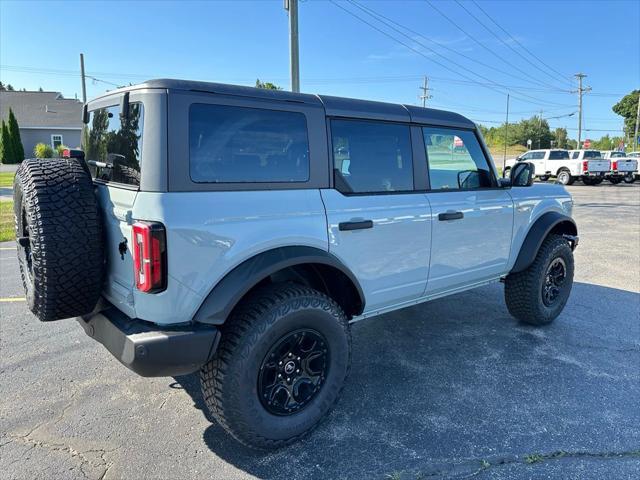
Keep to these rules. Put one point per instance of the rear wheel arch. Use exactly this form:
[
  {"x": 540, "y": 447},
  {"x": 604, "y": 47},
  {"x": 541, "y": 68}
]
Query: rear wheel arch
[
  {"x": 308, "y": 266},
  {"x": 550, "y": 223}
]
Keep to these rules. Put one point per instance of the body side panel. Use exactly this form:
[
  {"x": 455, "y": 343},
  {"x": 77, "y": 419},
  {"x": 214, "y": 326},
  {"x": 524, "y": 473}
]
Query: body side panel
[{"x": 210, "y": 233}]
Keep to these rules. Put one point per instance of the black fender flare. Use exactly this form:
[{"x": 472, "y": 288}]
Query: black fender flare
[
  {"x": 226, "y": 294},
  {"x": 538, "y": 232}
]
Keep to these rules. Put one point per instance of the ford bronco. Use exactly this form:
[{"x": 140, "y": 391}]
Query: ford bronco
[{"x": 239, "y": 231}]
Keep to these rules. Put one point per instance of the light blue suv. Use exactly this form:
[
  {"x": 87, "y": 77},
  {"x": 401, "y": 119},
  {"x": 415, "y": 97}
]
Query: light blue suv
[{"x": 239, "y": 231}]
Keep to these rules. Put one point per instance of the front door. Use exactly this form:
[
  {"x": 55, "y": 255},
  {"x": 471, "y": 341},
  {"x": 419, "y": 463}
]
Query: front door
[
  {"x": 472, "y": 219},
  {"x": 378, "y": 226}
]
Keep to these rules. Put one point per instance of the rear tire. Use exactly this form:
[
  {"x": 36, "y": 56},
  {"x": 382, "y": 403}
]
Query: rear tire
[
  {"x": 629, "y": 178},
  {"x": 564, "y": 177},
  {"x": 241, "y": 385},
  {"x": 537, "y": 295},
  {"x": 59, "y": 237},
  {"x": 615, "y": 180},
  {"x": 543, "y": 178}
]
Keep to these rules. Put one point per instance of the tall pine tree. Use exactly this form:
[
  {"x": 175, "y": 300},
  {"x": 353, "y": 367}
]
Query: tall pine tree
[
  {"x": 16, "y": 141},
  {"x": 6, "y": 146}
]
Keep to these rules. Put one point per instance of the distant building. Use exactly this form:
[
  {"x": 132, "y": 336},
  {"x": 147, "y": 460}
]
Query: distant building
[{"x": 43, "y": 117}]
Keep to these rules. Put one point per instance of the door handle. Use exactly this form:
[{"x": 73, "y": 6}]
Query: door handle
[
  {"x": 450, "y": 216},
  {"x": 357, "y": 225}
]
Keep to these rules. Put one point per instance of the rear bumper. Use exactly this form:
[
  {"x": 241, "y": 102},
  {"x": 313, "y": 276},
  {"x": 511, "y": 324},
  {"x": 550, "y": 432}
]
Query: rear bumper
[{"x": 151, "y": 350}]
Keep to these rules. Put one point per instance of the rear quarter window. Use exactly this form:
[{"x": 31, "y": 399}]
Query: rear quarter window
[
  {"x": 229, "y": 144},
  {"x": 558, "y": 155},
  {"x": 113, "y": 145}
]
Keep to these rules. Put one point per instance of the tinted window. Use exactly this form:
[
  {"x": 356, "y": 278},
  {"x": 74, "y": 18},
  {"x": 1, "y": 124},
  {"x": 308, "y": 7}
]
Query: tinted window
[
  {"x": 592, "y": 154},
  {"x": 525, "y": 157},
  {"x": 113, "y": 144},
  {"x": 558, "y": 155},
  {"x": 537, "y": 155},
  {"x": 618, "y": 155},
  {"x": 456, "y": 160},
  {"x": 238, "y": 144},
  {"x": 371, "y": 157},
  {"x": 575, "y": 155}
]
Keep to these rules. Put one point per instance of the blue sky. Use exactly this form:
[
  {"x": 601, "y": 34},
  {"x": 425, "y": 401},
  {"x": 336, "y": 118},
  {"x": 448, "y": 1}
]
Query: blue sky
[{"x": 239, "y": 41}]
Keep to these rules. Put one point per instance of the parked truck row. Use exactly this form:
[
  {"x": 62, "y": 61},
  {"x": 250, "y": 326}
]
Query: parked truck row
[{"x": 591, "y": 167}]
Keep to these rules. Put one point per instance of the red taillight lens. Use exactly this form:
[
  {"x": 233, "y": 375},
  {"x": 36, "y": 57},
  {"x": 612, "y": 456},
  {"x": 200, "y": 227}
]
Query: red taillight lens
[
  {"x": 614, "y": 165},
  {"x": 149, "y": 249},
  {"x": 585, "y": 165}
]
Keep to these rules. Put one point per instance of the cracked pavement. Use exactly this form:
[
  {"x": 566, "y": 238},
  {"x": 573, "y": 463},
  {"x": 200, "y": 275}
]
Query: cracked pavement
[{"x": 455, "y": 388}]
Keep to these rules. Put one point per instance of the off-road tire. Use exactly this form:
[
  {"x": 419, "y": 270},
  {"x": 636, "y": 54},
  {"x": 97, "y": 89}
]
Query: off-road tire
[
  {"x": 523, "y": 290},
  {"x": 127, "y": 175},
  {"x": 229, "y": 381},
  {"x": 564, "y": 177},
  {"x": 61, "y": 252}
]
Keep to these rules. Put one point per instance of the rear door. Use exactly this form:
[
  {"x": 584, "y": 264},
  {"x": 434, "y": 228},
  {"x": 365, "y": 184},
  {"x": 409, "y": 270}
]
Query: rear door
[
  {"x": 472, "y": 219},
  {"x": 378, "y": 225},
  {"x": 113, "y": 148}
]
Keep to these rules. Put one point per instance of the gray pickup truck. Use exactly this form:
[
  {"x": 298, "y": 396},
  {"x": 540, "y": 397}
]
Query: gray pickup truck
[{"x": 239, "y": 231}]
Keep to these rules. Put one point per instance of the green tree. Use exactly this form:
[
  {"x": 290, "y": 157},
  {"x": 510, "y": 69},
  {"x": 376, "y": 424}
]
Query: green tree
[
  {"x": 10, "y": 87},
  {"x": 6, "y": 145},
  {"x": 14, "y": 133},
  {"x": 267, "y": 85},
  {"x": 560, "y": 138},
  {"x": 627, "y": 108}
]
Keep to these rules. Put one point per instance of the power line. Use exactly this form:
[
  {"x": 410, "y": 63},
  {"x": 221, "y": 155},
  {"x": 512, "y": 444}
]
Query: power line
[
  {"x": 564, "y": 77},
  {"x": 537, "y": 100},
  {"x": 503, "y": 42},
  {"x": 372, "y": 12}
]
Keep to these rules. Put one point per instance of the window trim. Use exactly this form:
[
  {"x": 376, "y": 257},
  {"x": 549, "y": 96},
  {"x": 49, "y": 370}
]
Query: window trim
[
  {"x": 56, "y": 135},
  {"x": 483, "y": 149},
  {"x": 250, "y": 182},
  {"x": 99, "y": 181},
  {"x": 332, "y": 172}
]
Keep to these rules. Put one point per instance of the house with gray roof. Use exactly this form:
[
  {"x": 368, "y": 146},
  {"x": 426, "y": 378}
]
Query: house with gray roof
[{"x": 43, "y": 117}]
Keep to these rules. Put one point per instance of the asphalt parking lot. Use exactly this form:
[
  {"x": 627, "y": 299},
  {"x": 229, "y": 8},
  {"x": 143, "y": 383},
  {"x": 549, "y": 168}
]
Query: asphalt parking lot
[{"x": 455, "y": 388}]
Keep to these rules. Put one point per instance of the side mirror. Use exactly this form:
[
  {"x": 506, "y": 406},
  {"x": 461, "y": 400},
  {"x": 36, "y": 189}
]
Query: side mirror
[{"x": 521, "y": 174}]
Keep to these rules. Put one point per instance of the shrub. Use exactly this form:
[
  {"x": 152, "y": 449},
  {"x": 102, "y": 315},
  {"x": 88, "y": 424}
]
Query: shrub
[
  {"x": 42, "y": 150},
  {"x": 60, "y": 149}
]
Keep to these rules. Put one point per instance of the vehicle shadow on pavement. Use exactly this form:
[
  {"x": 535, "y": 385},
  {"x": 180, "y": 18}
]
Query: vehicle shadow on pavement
[{"x": 441, "y": 388}]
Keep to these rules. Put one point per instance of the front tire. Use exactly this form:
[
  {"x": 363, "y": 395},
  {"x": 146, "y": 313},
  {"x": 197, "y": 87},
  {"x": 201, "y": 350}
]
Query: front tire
[
  {"x": 283, "y": 359},
  {"x": 538, "y": 294}
]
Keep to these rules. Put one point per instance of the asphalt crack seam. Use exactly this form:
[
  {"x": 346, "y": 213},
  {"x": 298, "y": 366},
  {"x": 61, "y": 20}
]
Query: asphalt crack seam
[{"x": 472, "y": 468}]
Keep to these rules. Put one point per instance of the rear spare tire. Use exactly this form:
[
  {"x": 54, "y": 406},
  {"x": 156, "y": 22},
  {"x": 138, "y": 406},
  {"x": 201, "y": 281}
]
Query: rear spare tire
[{"x": 59, "y": 237}]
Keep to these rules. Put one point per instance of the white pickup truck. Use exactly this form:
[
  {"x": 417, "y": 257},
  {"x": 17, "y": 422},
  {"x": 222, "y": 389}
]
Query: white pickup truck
[
  {"x": 623, "y": 167},
  {"x": 567, "y": 167}
]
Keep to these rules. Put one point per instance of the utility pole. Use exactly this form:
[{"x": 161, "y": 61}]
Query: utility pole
[
  {"x": 294, "y": 55},
  {"x": 506, "y": 136},
  {"x": 425, "y": 96},
  {"x": 581, "y": 91},
  {"x": 84, "y": 80},
  {"x": 540, "y": 129},
  {"x": 635, "y": 135}
]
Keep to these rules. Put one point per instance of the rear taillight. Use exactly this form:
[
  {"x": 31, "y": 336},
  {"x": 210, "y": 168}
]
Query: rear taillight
[
  {"x": 149, "y": 250},
  {"x": 585, "y": 166},
  {"x": 614, "y": 165}
]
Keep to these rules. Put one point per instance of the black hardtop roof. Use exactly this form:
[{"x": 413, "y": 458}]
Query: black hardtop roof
[{"x": 334, "y": 106}]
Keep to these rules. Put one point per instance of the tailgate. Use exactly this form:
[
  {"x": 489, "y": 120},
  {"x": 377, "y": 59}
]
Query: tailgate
[
  {"x": 116, "y": 205},
  {"x": 599, "y": 165},
  {"x": 627, "y": 165}
]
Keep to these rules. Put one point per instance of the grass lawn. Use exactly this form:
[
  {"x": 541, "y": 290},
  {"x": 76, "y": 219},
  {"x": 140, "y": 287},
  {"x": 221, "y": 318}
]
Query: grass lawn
[
  {"x": 6, "y": 179},
  {"x": 6, "y": 221}
]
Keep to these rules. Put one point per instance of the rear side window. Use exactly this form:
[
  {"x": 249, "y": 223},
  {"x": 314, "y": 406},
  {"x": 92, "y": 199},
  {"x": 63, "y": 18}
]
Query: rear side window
[
  {"x": 371, "y": 157},
  {"x": 558, "y": 155},
  {"x": 230, "y": 144},
  {"x": 113, "y": 145},
  {"x": 456, "y": 160}
]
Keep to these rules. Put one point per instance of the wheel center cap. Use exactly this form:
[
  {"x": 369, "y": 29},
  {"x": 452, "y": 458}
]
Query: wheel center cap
[{"x": 289, "y": 367}]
